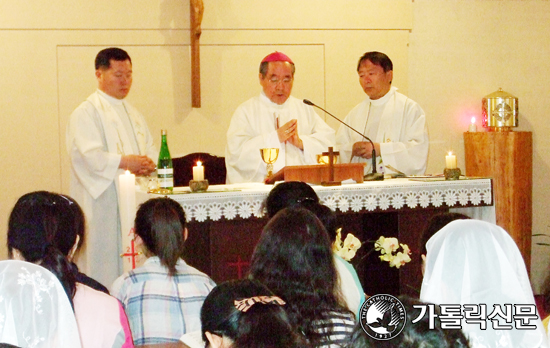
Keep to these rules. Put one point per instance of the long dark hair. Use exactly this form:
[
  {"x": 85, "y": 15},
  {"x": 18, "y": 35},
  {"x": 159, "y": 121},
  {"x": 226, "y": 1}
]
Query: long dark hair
[
  {"x": 263, "y": 325},
  {"x": 33, "y": 227},
  {"x": 160, "y": 222},
  {"x": 294, "y": 259}
]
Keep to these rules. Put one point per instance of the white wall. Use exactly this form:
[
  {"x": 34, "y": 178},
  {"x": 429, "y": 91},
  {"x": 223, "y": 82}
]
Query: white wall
[{"x": 447, "y": 55}]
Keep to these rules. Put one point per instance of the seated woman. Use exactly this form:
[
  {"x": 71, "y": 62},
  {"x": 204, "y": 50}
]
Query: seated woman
[
  {"x": 46, "y": 321},
  {"x": 245, "y": 313},
  {"x": 472, "y": 262},
  {"x": 293, "y": 258},
  {"x": 35, "y": 221},
  {"x": 70, "y": 236},
  {"x": 164, "y": 296},
  {"x": 300, "y": 194}
]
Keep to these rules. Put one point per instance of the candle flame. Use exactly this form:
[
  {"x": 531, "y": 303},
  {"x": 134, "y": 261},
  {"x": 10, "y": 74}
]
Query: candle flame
[
  {"x": 473, "y": 119},
  {"x": 199, "y": 163},
  {"x": 450, "y": 153},
  {"x": 127, "y": 172}
]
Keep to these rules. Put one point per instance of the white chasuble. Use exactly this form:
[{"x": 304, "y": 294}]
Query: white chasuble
[
  {"x": 253, "y": 126},
  {"x": 398, "y": 124},
  {"x": 96, "y": 139}
]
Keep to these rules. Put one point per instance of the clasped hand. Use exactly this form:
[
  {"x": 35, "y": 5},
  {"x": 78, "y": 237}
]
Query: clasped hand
[
  {"x": 289, "y": 133},
  {"x": 137, "y": 164},
  {"x": 362, "y": 149}
]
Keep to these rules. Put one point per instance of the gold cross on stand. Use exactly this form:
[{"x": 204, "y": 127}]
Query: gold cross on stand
[{"x": 331, "y": 155}]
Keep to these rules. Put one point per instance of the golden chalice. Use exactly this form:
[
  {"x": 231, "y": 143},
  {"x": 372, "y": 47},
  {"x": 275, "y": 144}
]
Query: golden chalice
[{"x": 269, "y": 156}]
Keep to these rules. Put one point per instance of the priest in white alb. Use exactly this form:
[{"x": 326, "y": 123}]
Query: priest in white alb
[
  {"x": 395, "y": 123},
  {"x": 105, "y": 137},
  {"x": 274, "y": 119}
]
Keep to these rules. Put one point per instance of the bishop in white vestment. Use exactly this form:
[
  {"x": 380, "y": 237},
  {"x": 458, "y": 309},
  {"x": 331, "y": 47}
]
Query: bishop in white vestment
[
  {"x": 105, "y": 136},
  {"x": 395, "y": 123},
  {"x": 274, "y": 119}
]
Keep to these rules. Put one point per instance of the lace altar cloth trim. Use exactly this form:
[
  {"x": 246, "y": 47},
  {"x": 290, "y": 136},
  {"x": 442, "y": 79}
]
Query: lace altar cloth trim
[{"x": 371, "y": 196}]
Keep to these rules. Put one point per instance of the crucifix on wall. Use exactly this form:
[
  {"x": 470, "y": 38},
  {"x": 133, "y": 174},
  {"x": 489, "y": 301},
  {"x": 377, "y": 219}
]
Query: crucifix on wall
[{"x": 196, "y": 12}]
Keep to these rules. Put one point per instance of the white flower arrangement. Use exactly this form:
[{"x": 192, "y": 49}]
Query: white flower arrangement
[
  {"x": 348, "y": 248},
  {"x": 389, "y": 250},
  {"x": 393, "y": 252}
]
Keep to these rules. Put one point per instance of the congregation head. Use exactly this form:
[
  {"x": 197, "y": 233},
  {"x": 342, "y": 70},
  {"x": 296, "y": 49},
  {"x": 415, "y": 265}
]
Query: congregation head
[
  {"x": 294, "y": 243},
  {"x": 245, "y": 313},
  {"x": 472, "y": 261},
  {"x": 436, "y": 223},
  {"x": 289, "y": 194},
  {"x": 277, "y": 77},
  {"x": 160, "y": 227},
  {"x": 36, "y": 232}
]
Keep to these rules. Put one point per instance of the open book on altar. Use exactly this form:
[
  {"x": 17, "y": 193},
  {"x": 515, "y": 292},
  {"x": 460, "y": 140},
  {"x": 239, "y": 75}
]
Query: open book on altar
[{"x": 317, "y": 173}]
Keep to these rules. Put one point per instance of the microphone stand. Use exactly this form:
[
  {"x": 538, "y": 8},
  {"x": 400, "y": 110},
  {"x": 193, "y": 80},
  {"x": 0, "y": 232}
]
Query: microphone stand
[{"x": 374, "y": 176}]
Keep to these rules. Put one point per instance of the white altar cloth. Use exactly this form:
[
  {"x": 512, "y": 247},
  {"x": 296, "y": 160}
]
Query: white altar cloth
[{"x": 472, "y": 197}]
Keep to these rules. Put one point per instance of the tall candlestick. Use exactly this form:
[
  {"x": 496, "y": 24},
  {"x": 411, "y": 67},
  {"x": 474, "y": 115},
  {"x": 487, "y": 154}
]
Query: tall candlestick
[
  {"x": 450, "y": 161},
  {"x": 127, "y": 206},
  {"x": 198, "y": 172}
]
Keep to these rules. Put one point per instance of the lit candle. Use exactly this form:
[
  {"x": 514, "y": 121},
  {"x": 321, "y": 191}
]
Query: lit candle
[
  {"x": 473, "y": 127},
  {"x": 198, "y": 172},
  {"x": 450, "y": 161},
  {"x": 127, "y": 206}
]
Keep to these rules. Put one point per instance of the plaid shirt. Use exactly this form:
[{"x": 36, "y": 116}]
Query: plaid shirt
[{"x": 159, "y": 308}]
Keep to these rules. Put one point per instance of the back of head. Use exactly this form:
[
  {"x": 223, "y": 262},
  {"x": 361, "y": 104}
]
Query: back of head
[
  {"x": 289, "y": 194},
  {"x": 248, "y": 313},
  {"x": 436, "y": 223},
  {"x": 414, "y": 335},
  {"x": 472, "y": 261},
  {"x": 34, "y": 308},
  {"x": 37, "y": 223},
  {"x": 326, "y": 216},
  {"x": 294, "y": 259},
  {"x": 376, "y": 58},
  {"x": 103, "y": 58},
  {"x": 160, "y": 223}
]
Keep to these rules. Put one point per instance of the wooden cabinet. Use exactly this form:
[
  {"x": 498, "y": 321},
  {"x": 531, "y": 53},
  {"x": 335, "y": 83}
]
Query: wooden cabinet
[{"x": 507, "y": 157}]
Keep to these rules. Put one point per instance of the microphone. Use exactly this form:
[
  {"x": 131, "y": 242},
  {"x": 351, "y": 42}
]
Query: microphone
[{"x": 371, "y": 176}]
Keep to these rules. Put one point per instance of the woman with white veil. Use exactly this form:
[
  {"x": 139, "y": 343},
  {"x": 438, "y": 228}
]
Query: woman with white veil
[
  {"x": 34, "y": 308},
  {"x": 476, "y": 262}
]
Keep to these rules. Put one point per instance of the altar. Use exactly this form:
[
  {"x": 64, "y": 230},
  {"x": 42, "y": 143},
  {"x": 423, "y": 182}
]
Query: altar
[{"x": 226, "y": 222}]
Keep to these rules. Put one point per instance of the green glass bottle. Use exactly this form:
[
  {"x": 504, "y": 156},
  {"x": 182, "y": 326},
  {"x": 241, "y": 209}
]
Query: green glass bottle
[{"x": 165, "y": 170}]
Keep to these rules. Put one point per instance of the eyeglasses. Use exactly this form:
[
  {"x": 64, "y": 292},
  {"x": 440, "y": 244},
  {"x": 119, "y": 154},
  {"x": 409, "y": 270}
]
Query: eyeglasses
[{"x": 276, "y": 81}]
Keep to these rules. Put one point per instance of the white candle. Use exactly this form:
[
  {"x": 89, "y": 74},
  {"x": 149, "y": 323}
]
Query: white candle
[
  {"x": 473, "y": 127},
  {"x": 450, "y": 161},
  {"x": 127, "y": 206},
  {"x": 198, "y": 172}
]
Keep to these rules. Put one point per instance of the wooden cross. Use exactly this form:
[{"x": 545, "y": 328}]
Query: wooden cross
[
  {"x": 196, "y": 12},
  {"x": 331, "y": 155}
]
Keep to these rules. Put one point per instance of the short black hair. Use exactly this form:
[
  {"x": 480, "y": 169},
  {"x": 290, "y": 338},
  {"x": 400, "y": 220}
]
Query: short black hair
[
  {"x": 103, "y": 58},
  {"x": 436, "y": 223},
  {"x": 376, "y": 58}
]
